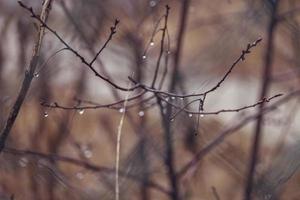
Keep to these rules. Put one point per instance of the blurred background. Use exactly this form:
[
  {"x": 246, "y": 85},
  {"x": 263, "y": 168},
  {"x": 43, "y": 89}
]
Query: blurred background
[{"x": 54, "y": 153}]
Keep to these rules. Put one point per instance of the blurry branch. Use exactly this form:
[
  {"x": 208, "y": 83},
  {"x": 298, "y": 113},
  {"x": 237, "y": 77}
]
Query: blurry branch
[
  {"x": 83, "y": 60},
  {"x": 168, "y": 135},
  {"x": 215, "y": 193},
  {"x": 29, "y": 74},
  {"x": 265, "y": 85},
  {"x": 225, "y": 133},
  {"x": 86, "y": 165},
  {"x": 287, "y": 14}
]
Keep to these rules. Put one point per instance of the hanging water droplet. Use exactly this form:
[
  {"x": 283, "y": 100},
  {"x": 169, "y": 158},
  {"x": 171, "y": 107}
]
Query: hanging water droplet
[
  {"x": 144, "y": 57},
  {"x": 121, "y": 110},
  {"x": 151, "y": 43},
  {"x": 201, "y": 115},
  {"x": 23, "y": 162},
  {"x": 79, "y": 175},
  {"x": 152, "y": 3},
  {"x": 141, "y": 113},
  {"x": 172, "y": 120},
  {"x": 167, "y": 98},
  {"x": 88, "y": 153},
  {"x": 46, "y": 114},
  {"x": 181, "y": 98},
  {"x": 190, "y": 115},
  {"x": 81, "y": 111},
  {"x": 168, "y": 52},
  {"x": 172, "y": 98},
  {"x": 36, "y": 75}
]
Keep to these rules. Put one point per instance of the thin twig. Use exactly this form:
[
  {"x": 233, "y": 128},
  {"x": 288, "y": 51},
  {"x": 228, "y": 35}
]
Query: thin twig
[
  {"x": 75, "y": 52},
  {"x": 225, "y": 133}
]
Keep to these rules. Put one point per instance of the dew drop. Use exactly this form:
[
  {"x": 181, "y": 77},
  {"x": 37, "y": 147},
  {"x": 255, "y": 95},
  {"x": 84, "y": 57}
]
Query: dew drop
[
  {"x": 144, "y": 57},
  {"x": 201, "y": 115},
  {"x": 79, "y": 175},
  {"x": 172, "y": 98},
  {"x": 88, "y": 153},
  {"x": 167, "y": 98},
  {"x": 168, "y": 52},
  {"x": 121, "y": 110},
  {"x": 23, "y": 162},
  {"x": 46, "y": 114},
  {"x": 141, "y": 113},
  {"x": 190, "y": 115},
  {"x": 152, "y": 3},
  {"x": 151, "y": 43},
  {"x": 172, "y": 120},
  {"x": 36, "y": 75},
  {"x": 81, "y": 111}
]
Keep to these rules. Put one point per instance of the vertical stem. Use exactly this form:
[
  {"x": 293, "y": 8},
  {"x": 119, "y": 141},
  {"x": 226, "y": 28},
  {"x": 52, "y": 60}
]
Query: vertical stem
[
  {"x": 169, "y": 160},
  {"x": 29, "y": 74},
  {"x": 267, "y": 70}
]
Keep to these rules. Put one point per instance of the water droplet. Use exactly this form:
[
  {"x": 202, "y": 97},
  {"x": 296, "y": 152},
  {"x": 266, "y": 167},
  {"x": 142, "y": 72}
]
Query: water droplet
[
  {"x": 121, "y": 110},
  {"x": 81, "y": 111},
  {"x": 36, "y": 75},
  {"x": 190, "y": 115},
  {"x": 201, "y": 115},
  {"x": 181, "y": 98},
  {"x": 79, "y": 175},
  {"x": 172, "y": 120},
  {"x": 172, "y": 98},
  {"x": 141, "y": 113},
  {"x": 46, "y": 114},
  {"x": 23, "y": 162},
  {"x": 152, "y": 3},
  {"x": 151, "y": 43},
  {"x": 167, "y": 98},
  {"x": 144, "y": 57},
  {"x": 88, "y": 153},
  {"x": 168, "y": 52}
]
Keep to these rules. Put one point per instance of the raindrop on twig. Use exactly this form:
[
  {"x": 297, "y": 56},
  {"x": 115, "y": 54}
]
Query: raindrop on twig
[
  {"x": 141, "y": 113},
  {"x": 46, "y": 114},
  {"x": 81, "y": 111}
]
